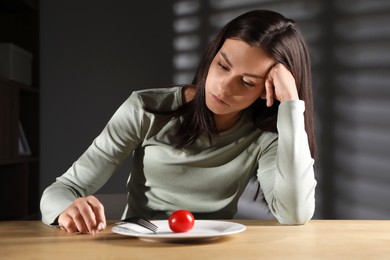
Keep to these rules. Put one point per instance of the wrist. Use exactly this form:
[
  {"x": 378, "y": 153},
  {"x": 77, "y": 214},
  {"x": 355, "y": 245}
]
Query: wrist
[{"x": 290, "y": 97}]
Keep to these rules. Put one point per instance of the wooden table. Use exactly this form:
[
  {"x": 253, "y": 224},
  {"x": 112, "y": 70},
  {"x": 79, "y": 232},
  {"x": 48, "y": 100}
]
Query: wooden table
[{"x": 319, "y": 239}]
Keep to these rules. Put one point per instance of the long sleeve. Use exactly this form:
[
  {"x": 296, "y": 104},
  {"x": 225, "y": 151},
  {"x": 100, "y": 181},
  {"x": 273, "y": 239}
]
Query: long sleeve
[
  {"x": 286, "y": 171},
  {"x": 92, "y": 170}
]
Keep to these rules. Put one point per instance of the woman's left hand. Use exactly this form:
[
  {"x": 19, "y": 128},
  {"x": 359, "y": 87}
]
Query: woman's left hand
[{"x": 280, "y": 85}]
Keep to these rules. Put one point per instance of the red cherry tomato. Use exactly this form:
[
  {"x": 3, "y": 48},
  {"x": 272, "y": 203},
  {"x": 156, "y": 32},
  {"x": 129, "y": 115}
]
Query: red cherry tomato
[{"x": 181, "y": 221}]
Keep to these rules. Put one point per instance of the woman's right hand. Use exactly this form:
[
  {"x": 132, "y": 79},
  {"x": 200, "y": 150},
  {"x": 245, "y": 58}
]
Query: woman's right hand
[
  {"x": 84, "y": 215},
  {"x": 280, "y": 85}
]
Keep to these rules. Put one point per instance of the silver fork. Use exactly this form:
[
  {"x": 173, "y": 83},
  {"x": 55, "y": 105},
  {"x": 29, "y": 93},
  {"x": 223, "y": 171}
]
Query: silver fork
[{"x": 140, "y": 221}]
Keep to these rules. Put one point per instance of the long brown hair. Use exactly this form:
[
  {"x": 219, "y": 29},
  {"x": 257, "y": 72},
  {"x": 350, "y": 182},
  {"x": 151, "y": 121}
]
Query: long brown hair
[{"x": 281, "y": 39}]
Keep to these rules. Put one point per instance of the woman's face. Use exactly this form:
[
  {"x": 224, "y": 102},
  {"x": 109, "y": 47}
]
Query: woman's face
[{"x": 235, "y": 79}]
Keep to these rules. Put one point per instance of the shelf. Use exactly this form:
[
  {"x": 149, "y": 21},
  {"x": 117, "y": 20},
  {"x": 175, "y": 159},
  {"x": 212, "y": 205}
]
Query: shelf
[
  {"x": 22, "y": 159},
  {"x": 19, "y": 105},
  {"x": 19, "y": 85},
  {"x": 18, "y": 5}
]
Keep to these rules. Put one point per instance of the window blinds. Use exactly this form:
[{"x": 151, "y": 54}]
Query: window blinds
[{"x": 349, "y": 43}]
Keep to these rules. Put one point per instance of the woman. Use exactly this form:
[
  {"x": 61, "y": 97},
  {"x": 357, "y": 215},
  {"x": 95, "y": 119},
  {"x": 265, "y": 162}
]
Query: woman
[{"x": 248, "y": 112}]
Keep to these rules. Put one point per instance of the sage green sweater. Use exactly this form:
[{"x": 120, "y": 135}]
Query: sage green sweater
[{"x": 205, "y": 178}]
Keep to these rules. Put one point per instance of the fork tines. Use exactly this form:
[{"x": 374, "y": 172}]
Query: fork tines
[
  {"x": 147, "y": 224},
  {"x": 140, "y": 221}
]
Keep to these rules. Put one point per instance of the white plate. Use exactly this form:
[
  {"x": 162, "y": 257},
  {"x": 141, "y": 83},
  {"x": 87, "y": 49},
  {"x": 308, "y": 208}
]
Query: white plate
[{"x": 202, "y": 230}]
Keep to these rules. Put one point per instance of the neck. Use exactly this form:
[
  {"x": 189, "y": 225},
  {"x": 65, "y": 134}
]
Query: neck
[{"x": 225, "y": 122}]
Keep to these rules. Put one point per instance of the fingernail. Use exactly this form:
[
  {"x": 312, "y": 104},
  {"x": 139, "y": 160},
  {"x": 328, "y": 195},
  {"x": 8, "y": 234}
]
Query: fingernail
[
  {"x": 101, "y": 226},
  {"x": 94, "y": 232}
]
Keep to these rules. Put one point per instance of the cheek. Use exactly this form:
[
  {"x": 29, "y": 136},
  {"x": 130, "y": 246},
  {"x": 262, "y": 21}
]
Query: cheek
[
  {"x": 210, "y": 79},
  {"x": 257, "y": 92},
  {"x": 251, "y": 97}
]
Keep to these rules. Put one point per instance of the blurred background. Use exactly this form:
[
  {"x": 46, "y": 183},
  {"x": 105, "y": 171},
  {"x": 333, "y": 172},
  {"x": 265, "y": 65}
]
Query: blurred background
[{"x": 90, "y": 55}]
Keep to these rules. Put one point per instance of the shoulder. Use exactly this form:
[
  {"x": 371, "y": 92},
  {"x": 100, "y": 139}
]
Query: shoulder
[
  {"x": 158, "y": 98},
  {"x": 189, "y": 93}
]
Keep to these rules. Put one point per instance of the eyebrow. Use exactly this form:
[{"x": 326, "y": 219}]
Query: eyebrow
[{"x": 231, "y": 65}]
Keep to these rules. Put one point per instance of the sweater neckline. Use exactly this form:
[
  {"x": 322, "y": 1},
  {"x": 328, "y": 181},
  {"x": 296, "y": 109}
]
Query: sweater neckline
[{"x": 243, "y": 118}]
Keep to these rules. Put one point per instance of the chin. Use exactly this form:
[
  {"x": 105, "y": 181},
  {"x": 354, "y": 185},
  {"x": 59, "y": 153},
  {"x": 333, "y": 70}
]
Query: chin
[{"x": 218, "y": 111}]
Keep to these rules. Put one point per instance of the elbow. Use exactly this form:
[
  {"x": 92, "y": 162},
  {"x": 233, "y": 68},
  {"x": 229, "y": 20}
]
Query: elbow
[
  {"x": 44, "y": 210},
  {"x": 296, "y": 215},
  {"x": 295, "y": 220}
]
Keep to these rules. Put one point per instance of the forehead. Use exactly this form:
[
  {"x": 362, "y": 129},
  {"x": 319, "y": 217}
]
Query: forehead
[
  {"x": 240, "y": 46},
  {"x": 242, "y": 54}
]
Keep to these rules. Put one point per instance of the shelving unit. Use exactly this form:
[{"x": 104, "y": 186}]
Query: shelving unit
[{"x": 19, "y": 103}]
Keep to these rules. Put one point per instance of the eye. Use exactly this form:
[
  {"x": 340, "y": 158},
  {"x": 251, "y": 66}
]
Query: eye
[
  {"x": 223, "y": 66},
  {"x": 247, "y": 83}
]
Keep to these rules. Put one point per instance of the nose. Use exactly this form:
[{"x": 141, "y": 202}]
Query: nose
[{"x": 226, "y": 86}]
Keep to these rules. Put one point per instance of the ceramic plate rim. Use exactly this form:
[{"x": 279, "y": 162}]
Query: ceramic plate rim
[{"x": 229, "y": 228}]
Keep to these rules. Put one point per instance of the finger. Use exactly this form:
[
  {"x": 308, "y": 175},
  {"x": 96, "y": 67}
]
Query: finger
[
  {"x": 86, "y": 219},
  {"x": 81, "y": 224},
  {"x": 98, "y": 210},
  {"x": 78, "y": 217},
  {"x": 67, "y": 224},
  {"x": 85, "y": 215},
  {"x": 92, "y": 214},
  {"x": 70, "y": 228},
  {"x": 269, "y": 92},
  {"x": 284, "y": 83}
]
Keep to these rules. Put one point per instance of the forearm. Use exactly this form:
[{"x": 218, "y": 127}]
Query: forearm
[
  {"x": 288, "y": 181},
  {"x": 295, "y": 182},
  {"x": 95, "y": 166},
  {"x": 84, "y": 178}
]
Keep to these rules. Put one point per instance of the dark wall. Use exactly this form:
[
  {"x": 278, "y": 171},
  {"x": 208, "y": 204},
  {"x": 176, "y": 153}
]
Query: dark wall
[{"x": 94, "y": 53}]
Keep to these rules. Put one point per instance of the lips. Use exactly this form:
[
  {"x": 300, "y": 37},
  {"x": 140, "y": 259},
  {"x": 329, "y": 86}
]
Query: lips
[{"x": 219, "y": 100}]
